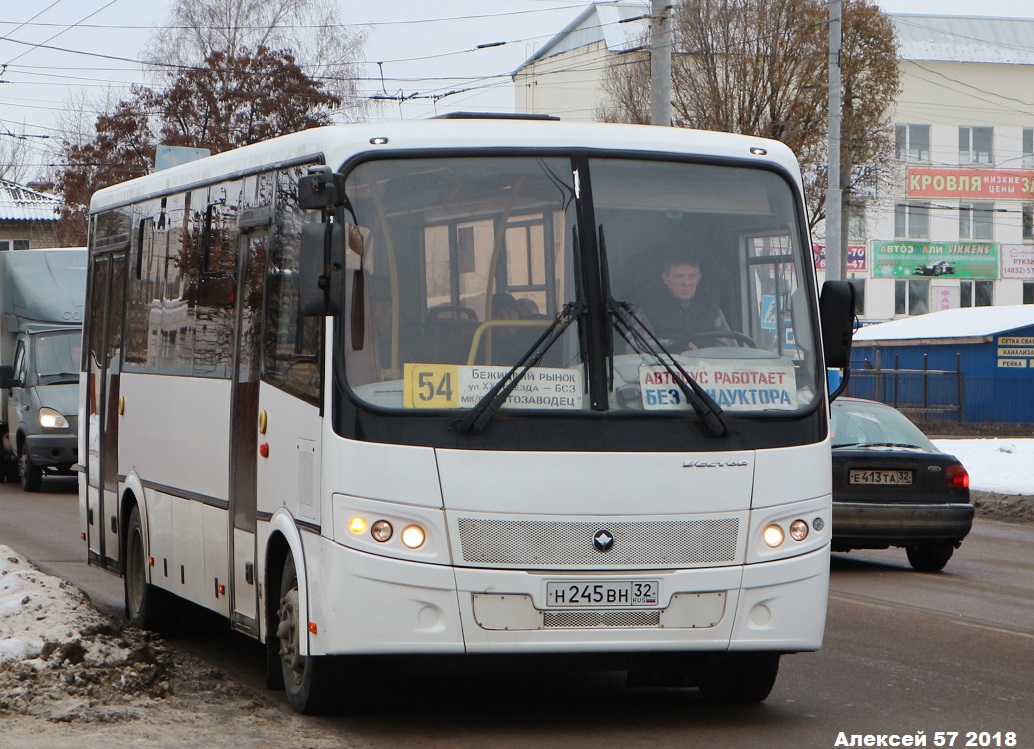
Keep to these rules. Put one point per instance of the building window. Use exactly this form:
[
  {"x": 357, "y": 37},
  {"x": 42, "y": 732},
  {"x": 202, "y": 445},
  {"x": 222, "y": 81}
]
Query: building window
[
  {"x": 13, "y": 244},
  {"x": 1028, "y": 221},
  {"x": 1028, "y": 147},
  {"x": 912, "y": 220},
  {"x": 911, "y": 297},
  {"x": 976, "y": 220},
  {"x": 1028, "y": 293},
  {"x": 976, "y": 145},
  {"x": 856, "y": 221},
  {"x": 912, "y": 142},
  {"x": 976, "y": 293}
]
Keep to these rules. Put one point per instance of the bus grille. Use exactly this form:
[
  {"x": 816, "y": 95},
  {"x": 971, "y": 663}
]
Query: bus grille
[
  {"x": 570, "y": 544},
  {"x": 584, "y": 619}
]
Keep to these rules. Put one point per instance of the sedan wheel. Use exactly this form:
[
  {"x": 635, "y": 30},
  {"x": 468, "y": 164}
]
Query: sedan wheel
[{"x": 930, "y": 557}]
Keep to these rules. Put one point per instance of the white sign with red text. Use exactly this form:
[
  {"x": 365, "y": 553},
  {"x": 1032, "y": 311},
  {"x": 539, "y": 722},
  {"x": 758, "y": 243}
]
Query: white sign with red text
[{"x": 1018, "y": 261}]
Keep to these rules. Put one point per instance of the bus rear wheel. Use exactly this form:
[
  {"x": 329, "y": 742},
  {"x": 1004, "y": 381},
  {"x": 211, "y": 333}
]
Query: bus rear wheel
[
  {"x": 308, "y": 680},
  {"x": 739, "y": 678},
  {"x": 147, "y": 607}
]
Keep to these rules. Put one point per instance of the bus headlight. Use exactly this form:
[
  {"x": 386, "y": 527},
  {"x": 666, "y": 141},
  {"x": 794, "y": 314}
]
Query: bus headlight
[
  {"x": 798, "y": 530},
  {"x": 51, "y": 419},
  {"x": 773, "y": 536},
  {"x": 382, "y": 531},
  {"x": 413, "y": 536}
]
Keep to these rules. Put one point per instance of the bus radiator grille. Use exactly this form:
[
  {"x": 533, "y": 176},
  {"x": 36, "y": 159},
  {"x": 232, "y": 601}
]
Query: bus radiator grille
[
  {"x": 584, "y": 619},
  {"x": 569, "y": 544}
]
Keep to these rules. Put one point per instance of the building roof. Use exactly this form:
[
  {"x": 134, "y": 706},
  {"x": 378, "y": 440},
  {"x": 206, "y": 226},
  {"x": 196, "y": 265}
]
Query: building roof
[
  {"x": 921, "y": 36},
  {"x": 619, "y": 24},
  {"x": 973, "y": 323},
  {"x": 980, "y": 39},
  {"x": 19, "y": 203}
]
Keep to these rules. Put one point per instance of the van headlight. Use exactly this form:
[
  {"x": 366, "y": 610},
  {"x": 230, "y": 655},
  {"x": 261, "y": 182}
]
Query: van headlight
[{"x": 51, "y": 419}]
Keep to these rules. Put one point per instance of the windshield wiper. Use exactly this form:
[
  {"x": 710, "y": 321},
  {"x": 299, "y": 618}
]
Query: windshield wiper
[
  {"x": 640, "y": 337},
  {"x": 478, "y": 417},
  {"x": 880, "y": 444}
]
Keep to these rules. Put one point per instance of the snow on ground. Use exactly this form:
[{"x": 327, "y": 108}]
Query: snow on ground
[{"x": 1000, "y": 465}]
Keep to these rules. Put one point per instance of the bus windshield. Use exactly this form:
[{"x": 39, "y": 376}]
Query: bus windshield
[{"x": 606, "y": 283}]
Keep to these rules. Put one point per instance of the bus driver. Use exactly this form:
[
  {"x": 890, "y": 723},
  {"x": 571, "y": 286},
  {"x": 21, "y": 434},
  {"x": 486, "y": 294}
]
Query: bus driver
[{"x": 678, "y": 314}]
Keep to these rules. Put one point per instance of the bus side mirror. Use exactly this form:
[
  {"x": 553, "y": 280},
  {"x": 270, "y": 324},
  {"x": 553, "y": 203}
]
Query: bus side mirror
[
  {"x": 321, "y": 188},
  {"x": 321, "y": 269},
  {"x": 836, "y": 313}
]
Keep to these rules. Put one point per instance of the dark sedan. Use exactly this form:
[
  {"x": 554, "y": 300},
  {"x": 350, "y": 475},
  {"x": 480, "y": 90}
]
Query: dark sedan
[{"x": 893, "y": 487}]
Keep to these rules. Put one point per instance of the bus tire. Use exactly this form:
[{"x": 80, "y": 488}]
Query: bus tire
[
  {"x": 308, "y": 680},
  {"x": 147, "y": 607},
  {"x": 739, "y": 678}
]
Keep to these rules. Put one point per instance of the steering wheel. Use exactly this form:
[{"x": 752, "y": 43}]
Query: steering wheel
[{"x": 716, "y": 335}]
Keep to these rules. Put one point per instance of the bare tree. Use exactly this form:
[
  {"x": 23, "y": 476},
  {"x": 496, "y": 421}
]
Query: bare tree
[
  {"x": 759, "y": 67},
  {"x": 15, "y": 156},
  {"x": 326, "y": 49},
  {"x": 230, "y": 101}
]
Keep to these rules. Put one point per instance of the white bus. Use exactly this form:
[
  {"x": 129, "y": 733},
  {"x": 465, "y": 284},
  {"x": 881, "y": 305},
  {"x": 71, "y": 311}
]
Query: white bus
[{"x": 307, "y": 405}]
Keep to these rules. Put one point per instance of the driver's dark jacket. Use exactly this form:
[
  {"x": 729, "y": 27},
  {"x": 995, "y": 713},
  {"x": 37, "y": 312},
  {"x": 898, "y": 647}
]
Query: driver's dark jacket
[{"x": 671, "y": 321}]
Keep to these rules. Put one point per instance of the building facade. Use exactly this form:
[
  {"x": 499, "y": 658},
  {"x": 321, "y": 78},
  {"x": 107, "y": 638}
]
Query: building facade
[{"x": 955, "y": 227}]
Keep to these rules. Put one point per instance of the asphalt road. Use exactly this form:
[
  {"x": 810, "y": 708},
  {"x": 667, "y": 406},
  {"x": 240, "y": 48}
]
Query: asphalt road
[{"x": 905, "y": 652}]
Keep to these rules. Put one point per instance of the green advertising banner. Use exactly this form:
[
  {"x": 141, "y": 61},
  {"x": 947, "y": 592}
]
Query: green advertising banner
[{"x": 934, "y": 259}]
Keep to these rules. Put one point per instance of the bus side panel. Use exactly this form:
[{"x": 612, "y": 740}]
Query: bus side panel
[
  {"x": 215, "y": 588},
  {"x": 174, "y": 434},
  {"x": 188, "y": 550},
  {"x": 288, "y": 475}
]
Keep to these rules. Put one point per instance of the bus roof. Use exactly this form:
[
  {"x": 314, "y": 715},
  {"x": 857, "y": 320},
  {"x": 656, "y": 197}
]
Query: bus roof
[{"x": 338, "y": 143}]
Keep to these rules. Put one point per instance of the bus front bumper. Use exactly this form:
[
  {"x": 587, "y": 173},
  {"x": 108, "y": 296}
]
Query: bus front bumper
[{"x": 381, "y": 606}]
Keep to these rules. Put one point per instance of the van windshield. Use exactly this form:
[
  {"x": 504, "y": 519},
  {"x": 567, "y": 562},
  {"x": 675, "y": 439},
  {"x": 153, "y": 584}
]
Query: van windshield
[{"x": 57, "y": 354}]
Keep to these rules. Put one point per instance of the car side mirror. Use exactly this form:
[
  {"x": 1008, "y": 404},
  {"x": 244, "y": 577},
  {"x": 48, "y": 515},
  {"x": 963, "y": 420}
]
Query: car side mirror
[{"x": 7, "y": 379}]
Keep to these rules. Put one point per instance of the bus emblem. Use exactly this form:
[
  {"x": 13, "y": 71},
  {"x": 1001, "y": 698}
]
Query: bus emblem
[{"x": 603, "y": 540}]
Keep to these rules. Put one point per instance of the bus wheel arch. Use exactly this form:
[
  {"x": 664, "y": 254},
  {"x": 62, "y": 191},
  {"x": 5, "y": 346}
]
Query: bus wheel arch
[{"x": 307, "y": 680}]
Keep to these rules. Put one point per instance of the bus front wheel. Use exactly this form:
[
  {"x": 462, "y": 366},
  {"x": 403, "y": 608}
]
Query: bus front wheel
[
  {"x": 308, "y": 679},
  {"x": 741, "y": 678}
]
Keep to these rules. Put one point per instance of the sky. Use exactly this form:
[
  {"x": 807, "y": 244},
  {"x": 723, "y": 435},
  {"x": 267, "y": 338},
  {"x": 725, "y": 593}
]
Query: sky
[{"x": 422, "y": 58}]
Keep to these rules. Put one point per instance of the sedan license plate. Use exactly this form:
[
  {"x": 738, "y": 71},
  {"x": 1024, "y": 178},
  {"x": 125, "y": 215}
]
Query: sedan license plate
[
  {"x": 881, "y": 477},
  {"x": 606, "y": 593}
]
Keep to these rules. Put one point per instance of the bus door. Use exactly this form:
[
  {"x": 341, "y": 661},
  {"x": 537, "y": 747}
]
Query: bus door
[
  {"x": 103, "y": 366},
  {"x": 244, "y": 413}
]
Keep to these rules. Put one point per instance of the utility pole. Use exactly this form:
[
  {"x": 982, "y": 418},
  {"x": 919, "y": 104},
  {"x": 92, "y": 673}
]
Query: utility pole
[
  {"x": 834, "y": 202},
  {"x": 660, "y": 62}
]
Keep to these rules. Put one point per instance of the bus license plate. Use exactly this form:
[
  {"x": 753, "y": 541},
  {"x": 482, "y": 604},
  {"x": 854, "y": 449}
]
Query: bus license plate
[
  {"x": 895, "y": 478},
  {"x": 619, "y": 593}
]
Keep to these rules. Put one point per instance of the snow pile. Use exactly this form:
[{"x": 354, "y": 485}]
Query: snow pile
[
  {"x": 58, "y": 654},
  {"x": 39, "y": 613},
  {"x": 1001, "y": 466}
]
